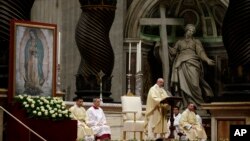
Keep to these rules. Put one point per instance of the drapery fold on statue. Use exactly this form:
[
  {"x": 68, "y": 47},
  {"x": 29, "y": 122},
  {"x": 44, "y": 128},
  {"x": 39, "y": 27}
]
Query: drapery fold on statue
[{"x": 187, "y": 72}]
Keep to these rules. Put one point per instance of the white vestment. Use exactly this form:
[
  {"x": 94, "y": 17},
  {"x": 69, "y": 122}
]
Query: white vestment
[
  {"x": 83, "y": 131},
  {"x": 191, "y": 127},
  {"x": 97, "y": 121},
  {"x": 155, "y": 117},
  {"x": 199, "y": 120},
  {"x": 176, "y": 125}
]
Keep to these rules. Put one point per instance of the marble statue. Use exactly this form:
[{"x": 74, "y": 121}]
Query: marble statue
[{"x": 187, "y": 71}]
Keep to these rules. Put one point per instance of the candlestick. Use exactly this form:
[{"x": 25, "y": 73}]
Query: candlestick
[
  {"x": 140, "y": 56},
  {"x": 101, "y": 74},
  {"x": 129, "y": 58}
]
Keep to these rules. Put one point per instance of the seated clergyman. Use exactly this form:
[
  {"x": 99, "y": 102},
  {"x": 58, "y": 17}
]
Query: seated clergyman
[
  {"x": 79, "y": 113},
  {"x": 177, "y": 116},
  {"x": 190, "y": 125},
  {"x": 97, "y": 121}
]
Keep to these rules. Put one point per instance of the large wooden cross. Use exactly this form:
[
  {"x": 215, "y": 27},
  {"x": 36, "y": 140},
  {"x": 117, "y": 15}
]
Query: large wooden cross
[{"x": 163, "y": 22}]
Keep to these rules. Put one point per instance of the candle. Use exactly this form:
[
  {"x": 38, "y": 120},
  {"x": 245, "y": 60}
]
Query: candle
[
  {"x": 129, "y": 58},
  {"x": 137, "y": 57},
  {"x": 59, "y": 48},
  {"x": 140, "y": 55}
]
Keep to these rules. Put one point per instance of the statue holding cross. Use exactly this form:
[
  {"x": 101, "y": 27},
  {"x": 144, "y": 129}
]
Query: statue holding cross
[
  {"x": 190, "y": 83},
  {"x": 163, "y": 22}
]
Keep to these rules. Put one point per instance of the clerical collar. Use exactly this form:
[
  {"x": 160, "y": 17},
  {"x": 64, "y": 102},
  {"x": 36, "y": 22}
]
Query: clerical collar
[{"x": 95, "y": 107}]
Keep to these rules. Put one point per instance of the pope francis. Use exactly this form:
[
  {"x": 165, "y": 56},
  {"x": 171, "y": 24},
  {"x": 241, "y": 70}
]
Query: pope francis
[{"x": 155, "y": 121}]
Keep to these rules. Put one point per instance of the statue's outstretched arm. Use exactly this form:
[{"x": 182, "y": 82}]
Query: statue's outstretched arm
[{"x": 201, "y": 52}]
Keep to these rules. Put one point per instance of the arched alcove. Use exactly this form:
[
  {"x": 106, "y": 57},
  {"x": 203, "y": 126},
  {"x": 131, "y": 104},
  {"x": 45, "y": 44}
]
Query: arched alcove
[{"x": 206, "y": 15}]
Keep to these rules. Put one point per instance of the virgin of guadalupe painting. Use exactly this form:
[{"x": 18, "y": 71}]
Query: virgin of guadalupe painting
[
  {"x": 34, "y": 57},
  {"x": 34, "y": 76}
]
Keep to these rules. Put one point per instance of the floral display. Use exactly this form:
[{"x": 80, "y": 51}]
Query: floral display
[{"x": 44, "y": 107}]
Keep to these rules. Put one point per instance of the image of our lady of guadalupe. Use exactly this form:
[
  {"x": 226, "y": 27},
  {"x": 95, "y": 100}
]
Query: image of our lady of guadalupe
[{"x": 34, "y": 63}]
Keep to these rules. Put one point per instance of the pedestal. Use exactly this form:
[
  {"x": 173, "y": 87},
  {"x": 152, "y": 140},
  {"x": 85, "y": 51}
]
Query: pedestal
[
  {"x": 92, "y": 39},
  {"x": 139, "y": 84},
  {"x": 224, "y": 114},
  {"x": 60, "y": 94}
]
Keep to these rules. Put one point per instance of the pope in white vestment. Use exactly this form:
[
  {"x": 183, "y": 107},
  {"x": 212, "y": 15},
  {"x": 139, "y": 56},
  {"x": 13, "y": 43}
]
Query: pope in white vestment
[
  {"x": 155, "y": 121},
  {"x": 97, "y": 121},
  {"x": 79, "y": 113},
  {"x": 190, "y": 125}
]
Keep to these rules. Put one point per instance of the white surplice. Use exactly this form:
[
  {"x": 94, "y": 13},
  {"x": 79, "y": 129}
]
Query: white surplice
[
  {"x": 83, "y": 131},
  {"x": 97, "y": 121},
  {"x": 199, "y": 119},
  {"x": 176, "y": 125}
]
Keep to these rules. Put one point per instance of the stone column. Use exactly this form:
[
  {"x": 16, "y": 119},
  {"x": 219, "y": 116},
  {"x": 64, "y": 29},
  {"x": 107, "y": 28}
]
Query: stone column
[
  {"x": 143, "y": 77},
  {"x": 92, "y": 39}
]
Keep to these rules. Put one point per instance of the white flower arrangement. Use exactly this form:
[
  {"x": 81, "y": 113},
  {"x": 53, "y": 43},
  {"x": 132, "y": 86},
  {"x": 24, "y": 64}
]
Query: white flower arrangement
[{"x": 44, "y": 107}]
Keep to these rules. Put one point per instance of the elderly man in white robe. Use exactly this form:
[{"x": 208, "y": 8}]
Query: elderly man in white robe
[
  {"x": 79, "y": 113},
  {"x": 191, "y": 126},
  {"x": 155, "y": 121},
  {"x": 97, "y": 121}
]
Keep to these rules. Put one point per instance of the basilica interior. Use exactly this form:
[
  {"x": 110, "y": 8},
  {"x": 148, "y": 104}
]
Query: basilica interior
[{"x": 112, "y": 48}]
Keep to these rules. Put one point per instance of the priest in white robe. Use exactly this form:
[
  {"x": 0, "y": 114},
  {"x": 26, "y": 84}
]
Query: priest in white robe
[
  {"x": 79, "y": 113},
  {"x": 155, "y": 117},
  {"x": 177, "y": 116},
  {"x": 97, "y": 121},
  {"x": 190, "y": 125}
]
